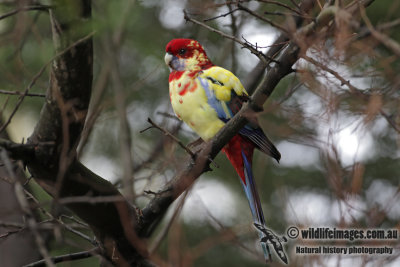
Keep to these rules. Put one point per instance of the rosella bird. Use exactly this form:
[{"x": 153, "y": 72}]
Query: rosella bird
[{"x": 205, "y": 97}]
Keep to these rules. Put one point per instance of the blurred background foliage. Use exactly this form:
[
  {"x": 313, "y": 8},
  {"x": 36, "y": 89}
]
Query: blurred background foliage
[{"x": 340, "y": 156}]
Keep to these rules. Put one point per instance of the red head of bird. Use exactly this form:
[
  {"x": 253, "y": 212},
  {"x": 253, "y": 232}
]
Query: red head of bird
[{"x": 186, "y": 55}]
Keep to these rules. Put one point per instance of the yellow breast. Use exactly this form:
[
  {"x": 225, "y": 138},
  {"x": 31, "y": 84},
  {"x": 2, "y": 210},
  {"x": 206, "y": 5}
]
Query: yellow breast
[{"x": 189, "y": 102}]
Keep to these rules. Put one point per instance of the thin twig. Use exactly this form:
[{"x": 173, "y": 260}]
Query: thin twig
[
  {"x": 157, "y": 149},
  {"x": 253, "y": 50},
  {"x": 234, "y": 29},
  {"x": 179, "y": 142},
  {"x": 282, "y": 5},
  {"x": 227, "y": 3},
  {"x": 343, "y": 81},
  {"x": 67, "y": 257},
  {"x": 364, "y": 32},
  {"x": 392, "y": 123},
  {"x": 5, "y": 92},
  {"x": 282, "y": 29},
  {"x": 295, "y": 4},
  {"x": 89, "y": 199},
  {"x": 72, "y": 218},
  {"x": 27, "y": 8},
  {"x": 11, "y": 224},
  {"x": 222, "y": 15},
  {"x": 21, "y": 98},
  {"x": 168, "y": 115},
  {"x": 67, "y": 227}
]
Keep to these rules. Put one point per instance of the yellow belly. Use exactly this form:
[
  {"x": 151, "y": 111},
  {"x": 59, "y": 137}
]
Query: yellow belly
[{"x": 189, "y": 102}]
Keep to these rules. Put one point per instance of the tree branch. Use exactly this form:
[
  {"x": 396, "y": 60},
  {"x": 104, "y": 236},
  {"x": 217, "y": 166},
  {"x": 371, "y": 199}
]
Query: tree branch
[
  {"x": 26, "y": 8},
  {"x": 67, "y": 257}
]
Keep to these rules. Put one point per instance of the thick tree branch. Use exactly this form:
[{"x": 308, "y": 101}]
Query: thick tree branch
[{"x": 61, "y": 122}]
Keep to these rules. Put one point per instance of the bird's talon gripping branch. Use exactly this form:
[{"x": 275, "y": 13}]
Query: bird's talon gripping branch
[{"x": 196, "y": 143}]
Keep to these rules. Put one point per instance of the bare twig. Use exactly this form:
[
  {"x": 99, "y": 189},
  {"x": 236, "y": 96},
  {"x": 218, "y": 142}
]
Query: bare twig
[
  {"x": 90, "y": 200},
  {"x": 227, "y": 3},
  {"x": 11, "y": 224},
  {"x": 67, "y": 257},
  {"x": 168, "y": 115},
  {"x": 282, "y": 5},
  {"x": 5, "y": 92},
  {"x": 179, "y": 142},
  {"x": 254, "y": 51},
  {"x": 59, "y": 221},
  {"x": 21, "y": 98},
  {"x": 391, "y": 122},
  {"x": 343, "y": 81},
  {"x": 156, "y": 152},
  {"x": 295, "y": 4},
  {"x": 222, "y": 15},
  {"x": 282, "y": 29},
  {"x": 27, "y": 8}
]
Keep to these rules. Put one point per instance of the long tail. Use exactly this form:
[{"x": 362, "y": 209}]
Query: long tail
[
  {"x": 250, "y": 188},
  {"x": 240, "y": 151}
]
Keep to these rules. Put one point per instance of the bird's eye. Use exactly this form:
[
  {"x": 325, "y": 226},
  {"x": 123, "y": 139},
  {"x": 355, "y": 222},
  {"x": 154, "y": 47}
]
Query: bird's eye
[{"x": 182, "y": 51}]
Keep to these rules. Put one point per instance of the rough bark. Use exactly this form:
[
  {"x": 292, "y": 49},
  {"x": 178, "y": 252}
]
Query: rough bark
[{"x": 61, "y": 121}]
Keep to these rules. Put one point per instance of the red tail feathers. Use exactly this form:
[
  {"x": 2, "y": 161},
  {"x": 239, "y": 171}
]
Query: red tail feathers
[{"x": 233, "y": 151}]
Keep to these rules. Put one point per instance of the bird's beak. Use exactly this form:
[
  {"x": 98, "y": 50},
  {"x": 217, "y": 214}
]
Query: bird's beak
[{"x": 168, "y": 59}]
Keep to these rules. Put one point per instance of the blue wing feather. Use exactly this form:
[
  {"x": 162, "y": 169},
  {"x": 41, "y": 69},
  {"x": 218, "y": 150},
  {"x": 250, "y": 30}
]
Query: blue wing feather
[
  {"x": 255, "y": 134},
  {"x": 213, "y": 101}
]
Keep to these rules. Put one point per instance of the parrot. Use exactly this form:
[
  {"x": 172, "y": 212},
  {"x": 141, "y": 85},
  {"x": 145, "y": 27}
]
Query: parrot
[{"x": 206, "y": 97}]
